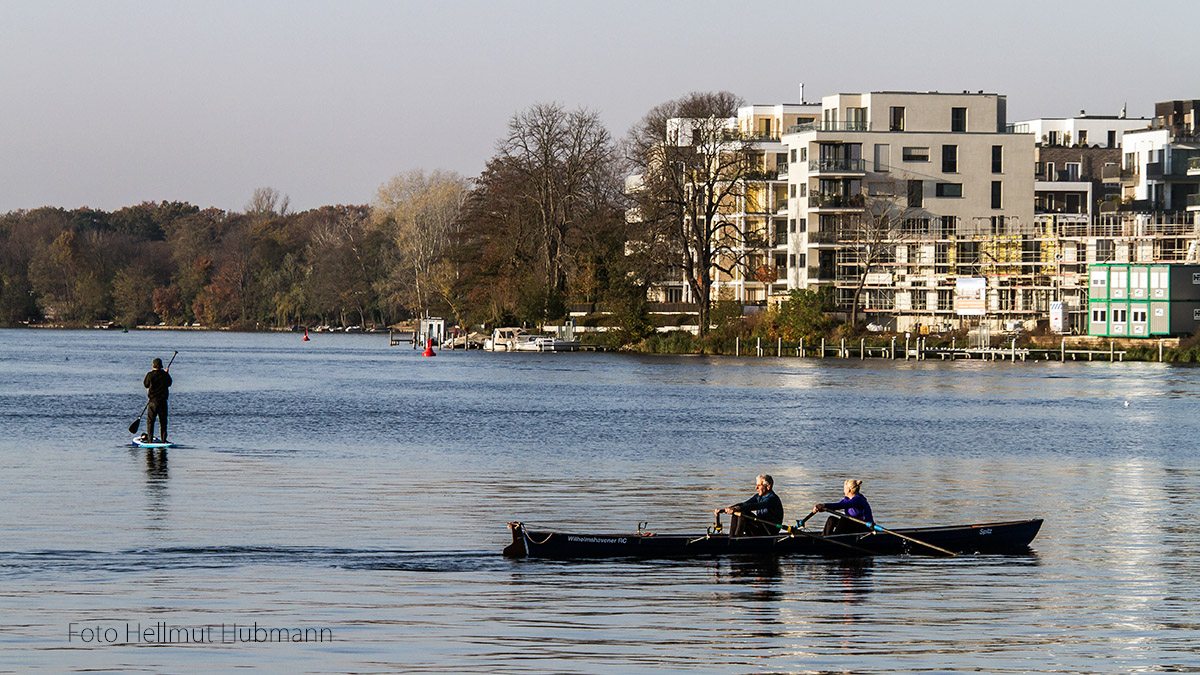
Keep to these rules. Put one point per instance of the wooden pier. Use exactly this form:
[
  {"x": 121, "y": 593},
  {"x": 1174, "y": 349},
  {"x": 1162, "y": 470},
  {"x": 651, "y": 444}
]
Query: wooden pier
[{"x": 917, "y": 349}]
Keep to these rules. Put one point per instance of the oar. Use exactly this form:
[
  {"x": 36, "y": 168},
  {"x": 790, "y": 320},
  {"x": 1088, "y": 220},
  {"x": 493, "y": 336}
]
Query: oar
[
  {"x": 877, "y": 528},
  {"x": 800, "y": 530},
  {"x": 138, "y": 422}
]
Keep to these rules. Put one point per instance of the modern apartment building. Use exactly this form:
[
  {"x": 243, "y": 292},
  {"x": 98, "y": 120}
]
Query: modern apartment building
[
  {"x": 960, "y": 181},
  {"x": 1154, "y": 173}
]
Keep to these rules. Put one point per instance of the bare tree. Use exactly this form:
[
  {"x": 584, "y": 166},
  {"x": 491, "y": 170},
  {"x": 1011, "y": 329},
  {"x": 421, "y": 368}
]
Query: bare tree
[
  {"x": 564, "y": 158},
  {"x": 693, "y": 166},
  {"x": 267, "y": 202},
  {"x": 868, "y": 239}
]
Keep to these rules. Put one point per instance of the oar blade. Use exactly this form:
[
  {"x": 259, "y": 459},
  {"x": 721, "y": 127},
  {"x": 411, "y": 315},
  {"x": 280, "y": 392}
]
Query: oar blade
[{"x": 134, "y": 427}]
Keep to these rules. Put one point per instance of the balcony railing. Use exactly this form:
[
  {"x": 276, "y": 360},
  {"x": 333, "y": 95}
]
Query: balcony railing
[
  {"x": 837, "y": 166},
  {"x": 820, "y": 200},
  {"x": 1193, "y": 164},
  {"x": 822, "y": 237},
  {"x": 1193, "y": 201},
  {"x": 827, "y": 126},
  {"x": 762, "y": 174},
  {"x": 1115, "y": 174}
]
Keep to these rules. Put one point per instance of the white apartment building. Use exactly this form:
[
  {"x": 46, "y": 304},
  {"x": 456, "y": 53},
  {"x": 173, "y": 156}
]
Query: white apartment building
[
  {"x": 1104, "y": 131},
  {"x": 950, "y": 160},
  {"x": 1154, "y": 172}
]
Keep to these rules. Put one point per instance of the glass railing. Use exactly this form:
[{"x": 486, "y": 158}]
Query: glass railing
[
  {"x": 1194, "y": 164},
  {"x": 821, "y": 200},
  {"x": 837, "y": 165},
  {"x": 827, "y": 126},
  {"x": 1193, "y": 200}
]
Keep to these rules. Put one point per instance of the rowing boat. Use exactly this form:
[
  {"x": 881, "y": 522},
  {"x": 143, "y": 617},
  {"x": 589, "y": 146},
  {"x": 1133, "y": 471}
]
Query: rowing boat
[{"x": 1011, "y": 537}]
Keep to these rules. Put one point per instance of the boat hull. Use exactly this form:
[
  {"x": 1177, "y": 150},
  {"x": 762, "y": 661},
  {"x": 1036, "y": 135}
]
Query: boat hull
[{"x": 1012, "y": 537}]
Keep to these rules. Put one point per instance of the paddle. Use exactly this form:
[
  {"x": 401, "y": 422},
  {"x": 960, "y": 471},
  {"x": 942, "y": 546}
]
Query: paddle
[
  {"x": 877, "y": 528},
  {"x": 133, "y": 428}
]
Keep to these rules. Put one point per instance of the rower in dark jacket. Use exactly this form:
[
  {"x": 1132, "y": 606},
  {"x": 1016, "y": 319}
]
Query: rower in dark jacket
[
  {"x": 158, "y": 384},
  {"x": 764, "y": 508},
  {"x": 854, "y": 504}
]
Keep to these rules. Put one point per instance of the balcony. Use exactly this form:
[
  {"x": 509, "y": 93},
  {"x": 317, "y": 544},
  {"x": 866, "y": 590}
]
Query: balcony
[
  {"x": 821, "y": 200},
  {"x": 763, "y": 174},
  {"x": 827, "y": 126},
  {"x": 822, "y": 237},
  {"x": 837, "y": 166},
  {"x": 1193, "y": 202},
  {"x": 1193, "y": 167},
  {"x": 1115, "y": 174}
]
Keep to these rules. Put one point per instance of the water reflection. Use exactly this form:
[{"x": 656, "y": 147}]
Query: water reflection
[{"x": 157, "y": 475}]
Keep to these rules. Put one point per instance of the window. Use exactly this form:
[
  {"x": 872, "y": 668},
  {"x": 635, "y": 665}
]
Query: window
[
  {"x": 949, "y": 159},
  {"x": 802, "y": 223},
  {"x": 856, "y": 119},
  {"x": 1099, "y": 315},
  {"x": 792, "y": 260},
  {"x": 949, "y": 189},
  {"x": 1137, "y": 315},
  {"x": 793, "y": 225},
  {"x": 1112, "y": 138},
  {"x": 883, "y": 157},
  {"x": 780, "y": 160},
  {"x": 793, "y": 155},
  {"x": 804, "y": 154},
  {"x": 1118, "y": 315},
  {"x": 792, "y": 189},
  {"x": 897, "y": 118},
  {"x": 799, "y": 260},
  {"x": 1071, "y": 169},
  {"x": 945, "y": 298},
  {"x": 1083, "y": 136},
  {"x": 1053, "y": 138},
  {"x": 997, "y": 194},
  {"x": 916, "y": 154},
  {"x": 958, "y": 119},
  {"x": 916, "y": 193},
  {"x": 997, "y": 159},
  {"x": 1104, "y": 250}
]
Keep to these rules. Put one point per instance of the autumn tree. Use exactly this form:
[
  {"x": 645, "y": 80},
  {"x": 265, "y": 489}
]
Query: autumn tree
[
  {"x": 692, "y": 166},
  {"x": 419, "y": 213}
]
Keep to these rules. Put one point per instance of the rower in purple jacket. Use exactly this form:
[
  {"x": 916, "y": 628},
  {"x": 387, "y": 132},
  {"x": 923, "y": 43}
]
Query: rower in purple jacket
[{"x": 854, "y": 504}]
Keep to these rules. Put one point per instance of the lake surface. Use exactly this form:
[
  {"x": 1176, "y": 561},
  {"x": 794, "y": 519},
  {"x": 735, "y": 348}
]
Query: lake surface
[{"x": 358, "y": 493}]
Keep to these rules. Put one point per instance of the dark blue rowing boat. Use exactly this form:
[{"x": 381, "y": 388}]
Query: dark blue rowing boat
[{"x": 1011, "y": 537}]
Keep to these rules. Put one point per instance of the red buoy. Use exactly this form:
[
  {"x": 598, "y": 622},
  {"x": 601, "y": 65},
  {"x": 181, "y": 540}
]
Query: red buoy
[
  {"x": 305, "y": 335},
  {"x": 429, "y": 349}
]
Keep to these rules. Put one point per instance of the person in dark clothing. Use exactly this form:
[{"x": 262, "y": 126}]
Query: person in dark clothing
[
  {"x": 158, "y": 384},
  {"x": 854, "y": 504},
  {"x": 765, "y": 508}
]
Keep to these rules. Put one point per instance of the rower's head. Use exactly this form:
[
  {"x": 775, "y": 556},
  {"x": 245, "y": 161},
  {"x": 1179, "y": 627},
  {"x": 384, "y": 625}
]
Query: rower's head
[
  {"x": 157, "y": 364},
  {"x": 763, "y": 483},
  {"x": 851, "y": 486}
]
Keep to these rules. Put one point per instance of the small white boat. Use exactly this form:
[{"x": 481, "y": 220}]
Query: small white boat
[{"x": 518, "y": 340}]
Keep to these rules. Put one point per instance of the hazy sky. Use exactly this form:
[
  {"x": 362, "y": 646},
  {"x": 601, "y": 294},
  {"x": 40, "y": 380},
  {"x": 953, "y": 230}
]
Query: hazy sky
[{"x": 110, "y": 103}]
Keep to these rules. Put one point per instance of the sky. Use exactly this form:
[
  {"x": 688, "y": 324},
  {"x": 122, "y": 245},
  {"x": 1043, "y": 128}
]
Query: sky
[{"x": 110, "y": 103}]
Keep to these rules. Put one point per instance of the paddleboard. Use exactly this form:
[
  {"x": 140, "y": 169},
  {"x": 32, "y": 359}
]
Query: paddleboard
[{"x": 137, "y": 440}]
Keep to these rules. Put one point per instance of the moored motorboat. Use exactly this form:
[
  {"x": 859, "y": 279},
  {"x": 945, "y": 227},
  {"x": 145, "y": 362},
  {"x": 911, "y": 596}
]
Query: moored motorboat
[{"x": 1010, "y": 537}]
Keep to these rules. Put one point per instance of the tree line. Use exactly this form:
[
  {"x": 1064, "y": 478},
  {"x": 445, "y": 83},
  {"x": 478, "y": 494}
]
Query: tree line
[{"x": 546, "y": 225}]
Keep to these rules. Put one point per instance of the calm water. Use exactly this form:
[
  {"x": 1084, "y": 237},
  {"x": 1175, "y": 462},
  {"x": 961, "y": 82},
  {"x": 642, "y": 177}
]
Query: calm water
[{"x": 348, "y": 486}]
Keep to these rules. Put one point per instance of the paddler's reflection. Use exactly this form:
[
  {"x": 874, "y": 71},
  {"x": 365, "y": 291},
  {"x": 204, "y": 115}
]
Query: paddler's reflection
[{"x": 157, "y": 477}]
